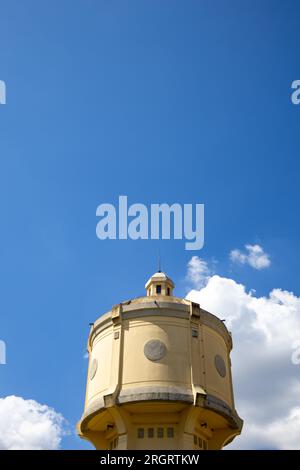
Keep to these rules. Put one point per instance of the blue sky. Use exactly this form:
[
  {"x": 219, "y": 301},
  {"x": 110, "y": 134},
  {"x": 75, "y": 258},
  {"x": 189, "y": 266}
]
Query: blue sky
[{"x": 181, "y": 101}]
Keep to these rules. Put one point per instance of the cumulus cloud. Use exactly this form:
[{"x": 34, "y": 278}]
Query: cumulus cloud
[
  {"x": 198, "y": 272},
  {"x": 266, "y": 379},
  {"x": 254, "y": 256},
  {"x": 28, "y": 425}
]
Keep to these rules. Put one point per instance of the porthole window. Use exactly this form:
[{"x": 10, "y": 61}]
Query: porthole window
[
  {"x": 93, "y": 369},
  {"x": 220, "y": 365}
]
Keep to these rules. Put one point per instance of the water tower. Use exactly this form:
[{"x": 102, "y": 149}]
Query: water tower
[{"x": 159, "y": 376}]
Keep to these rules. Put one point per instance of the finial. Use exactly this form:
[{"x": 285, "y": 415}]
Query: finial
[{"x": 159, "y": 266}]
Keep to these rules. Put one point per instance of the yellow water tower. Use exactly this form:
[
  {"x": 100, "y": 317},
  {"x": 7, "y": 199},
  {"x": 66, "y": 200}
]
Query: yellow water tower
[{"x": 159, "y": 376}]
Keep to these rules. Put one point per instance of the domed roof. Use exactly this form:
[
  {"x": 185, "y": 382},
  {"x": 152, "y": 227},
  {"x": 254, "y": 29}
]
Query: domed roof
[{"x": 157, "y": 277}]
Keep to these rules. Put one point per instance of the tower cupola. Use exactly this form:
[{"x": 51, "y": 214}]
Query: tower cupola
[{"x": 159, "y": 284}]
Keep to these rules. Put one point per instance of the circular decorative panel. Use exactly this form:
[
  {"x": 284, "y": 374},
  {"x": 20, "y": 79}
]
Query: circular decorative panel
[
  {"x": 220, "y": 365},
  {"x": 155, "y": 350},
  {"x": 93, "y": 369}
]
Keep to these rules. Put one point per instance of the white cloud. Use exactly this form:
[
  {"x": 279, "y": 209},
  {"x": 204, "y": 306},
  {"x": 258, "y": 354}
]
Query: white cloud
[
  {"x": 254, "y": 256},
  {"x": 266, "y": 382},
  {"x": 28, "y": 425},
  {"x": 282, "y": 433},
  {"x": 198, "y": 272}
]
